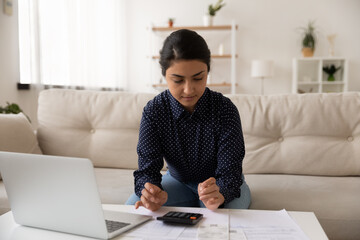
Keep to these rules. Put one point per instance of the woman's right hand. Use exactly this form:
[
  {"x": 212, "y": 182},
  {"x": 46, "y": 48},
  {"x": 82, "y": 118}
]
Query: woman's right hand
[{"x": 152, "y": 197}]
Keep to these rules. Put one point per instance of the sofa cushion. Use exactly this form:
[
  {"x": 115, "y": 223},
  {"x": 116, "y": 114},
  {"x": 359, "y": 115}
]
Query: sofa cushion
[
  {"x": 115, "y": 185},
  {"x": 101, "y": 126},
  {"x": 4, "y": 202},
  {"x": 17, "y": 134},
  {"x": 312, "y": 134},
  {"x": 334, "y": 200}
]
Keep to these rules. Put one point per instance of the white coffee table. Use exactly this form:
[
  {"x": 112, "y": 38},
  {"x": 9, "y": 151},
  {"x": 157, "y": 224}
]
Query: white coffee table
[{"x": 10, "y": 230}]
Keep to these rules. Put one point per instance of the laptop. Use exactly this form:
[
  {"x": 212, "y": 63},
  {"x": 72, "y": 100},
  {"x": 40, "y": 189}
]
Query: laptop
[{"x": 60, "y": 194}]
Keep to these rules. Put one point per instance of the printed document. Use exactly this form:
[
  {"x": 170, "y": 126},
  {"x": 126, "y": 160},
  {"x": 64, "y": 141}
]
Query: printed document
[
  {"x": 265, "y": 225},
  {"x": 221, "y": 224}
]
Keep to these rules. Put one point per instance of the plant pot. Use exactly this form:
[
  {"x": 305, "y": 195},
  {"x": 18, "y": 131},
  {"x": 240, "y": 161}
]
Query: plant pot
[
  {"x": 307, "y": 52},
  {"x": 331, "y": 77},
  {"x": 208, "y": 20},
  {"x": 170, "y": 23}
]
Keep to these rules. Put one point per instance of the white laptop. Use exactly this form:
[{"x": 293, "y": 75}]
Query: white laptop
[{"x": 60, "y": 193}]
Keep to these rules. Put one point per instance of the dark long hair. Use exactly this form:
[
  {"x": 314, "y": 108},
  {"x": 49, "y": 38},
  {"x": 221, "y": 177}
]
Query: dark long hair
[{"x": 184, "y": 44}]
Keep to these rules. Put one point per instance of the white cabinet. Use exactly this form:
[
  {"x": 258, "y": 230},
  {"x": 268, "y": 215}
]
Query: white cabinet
[
  {"x": 226, "y": 59},
  {"x": 309, "y": 76}
]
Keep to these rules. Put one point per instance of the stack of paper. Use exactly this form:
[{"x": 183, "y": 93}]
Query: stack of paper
[{"x": 222, "y": 224}]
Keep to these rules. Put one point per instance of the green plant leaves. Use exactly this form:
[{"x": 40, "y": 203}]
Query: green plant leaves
[
  {"x": 213, "y": 9},
  {"x": 331, "y": 69},
  {"x": 12, "y": 108},
  {"x": 309, "y": 39}
]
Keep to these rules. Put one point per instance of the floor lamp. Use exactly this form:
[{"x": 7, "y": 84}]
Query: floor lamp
[{"x": 262, "y": 69}]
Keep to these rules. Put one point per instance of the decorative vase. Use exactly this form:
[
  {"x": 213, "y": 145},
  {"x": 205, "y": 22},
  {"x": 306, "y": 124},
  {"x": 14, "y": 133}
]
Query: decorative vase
[
  {"x": 307, "y": 52},
  {"x": 208, "y": 20},
  {"x": 331, "y": 39}
]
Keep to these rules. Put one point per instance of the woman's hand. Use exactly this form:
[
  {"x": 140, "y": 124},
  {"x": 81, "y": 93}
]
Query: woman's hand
[
  {"x": 209, "y": 194},
  {"x": 152, "y": 197}
]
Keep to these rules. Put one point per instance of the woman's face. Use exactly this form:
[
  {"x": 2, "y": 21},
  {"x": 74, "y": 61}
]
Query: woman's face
[{"x": 186, "y": 80}]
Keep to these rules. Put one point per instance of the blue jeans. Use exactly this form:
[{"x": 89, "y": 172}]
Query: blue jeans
[{"x": 186, "y": 194}]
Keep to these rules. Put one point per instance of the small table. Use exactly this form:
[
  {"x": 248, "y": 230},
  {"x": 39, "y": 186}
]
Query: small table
[{"x": 10, "y": 230}]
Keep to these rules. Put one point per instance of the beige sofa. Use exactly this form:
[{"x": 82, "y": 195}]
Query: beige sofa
[{"x": 302, "y": 151}]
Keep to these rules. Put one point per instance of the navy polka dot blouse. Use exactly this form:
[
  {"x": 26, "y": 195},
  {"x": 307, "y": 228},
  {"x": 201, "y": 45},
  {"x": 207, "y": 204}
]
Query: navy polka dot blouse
[{"x": 207, "y": 143}]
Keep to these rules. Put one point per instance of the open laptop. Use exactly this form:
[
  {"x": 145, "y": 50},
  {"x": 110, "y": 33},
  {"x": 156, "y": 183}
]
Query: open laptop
[{"x": 60, "y": 193}]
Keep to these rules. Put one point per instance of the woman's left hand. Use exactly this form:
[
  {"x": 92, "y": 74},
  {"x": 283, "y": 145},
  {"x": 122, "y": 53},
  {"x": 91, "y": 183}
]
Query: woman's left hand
[{"x": 209, "y": 194}]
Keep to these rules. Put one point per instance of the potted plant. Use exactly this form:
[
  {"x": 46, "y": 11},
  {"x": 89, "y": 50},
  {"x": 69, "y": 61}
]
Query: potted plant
[
  {"x": 309, "y": 39},
  {"x": 212, "y": 9},
  {"x": 171, "y": 22},
  {"x": 12, "y": 108},
  {"x": 331, "y": 70}
]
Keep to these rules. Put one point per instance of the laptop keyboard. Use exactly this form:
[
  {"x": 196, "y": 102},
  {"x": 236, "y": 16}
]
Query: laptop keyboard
[{"x": 113, "y": 226}]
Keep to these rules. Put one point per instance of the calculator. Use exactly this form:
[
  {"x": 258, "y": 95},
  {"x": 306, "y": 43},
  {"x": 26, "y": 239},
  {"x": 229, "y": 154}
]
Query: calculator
[{"x": 181, "y": 217}]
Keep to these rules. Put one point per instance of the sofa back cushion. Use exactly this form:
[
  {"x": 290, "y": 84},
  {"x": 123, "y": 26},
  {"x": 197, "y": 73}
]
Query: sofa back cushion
[
  {"x": 311, "y": 134},
  {"x": 101, "y": 126}
]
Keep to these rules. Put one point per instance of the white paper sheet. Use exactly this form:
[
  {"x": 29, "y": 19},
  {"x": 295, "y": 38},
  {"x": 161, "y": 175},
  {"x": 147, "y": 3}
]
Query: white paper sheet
[
  {"x": 266, "y": 225},
  {"x": 156, "y": 230},
  {"x": 213, "y": 232},
  {"x": 237, "y": 233},
  {"x": 221, "y": 224},
  {"x": 215, "y": 221}
]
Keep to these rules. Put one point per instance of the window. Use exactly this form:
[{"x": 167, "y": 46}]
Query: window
[{"x": 73, "y": 43}]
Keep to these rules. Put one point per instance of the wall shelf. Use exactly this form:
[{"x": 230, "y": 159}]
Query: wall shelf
[
  {"x": 194, "y": 28},
  {"x": 157, "y": 79},
  {"x": 162, "y": 85},
  {"x": 333, "y": 83},
  {"x": 308, "y": 83},
  {"x": 212, "y": 56},
  {"x": 308, "y": 75}
]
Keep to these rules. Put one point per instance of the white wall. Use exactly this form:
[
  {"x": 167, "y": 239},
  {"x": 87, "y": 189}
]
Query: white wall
[
  {"x": 267, "y": 30},
  {"x": 9, "y": 61},
  {"x": 9, "y": 67}
]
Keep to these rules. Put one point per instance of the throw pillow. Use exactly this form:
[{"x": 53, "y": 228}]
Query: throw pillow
[{"x": 17, "y": 135}]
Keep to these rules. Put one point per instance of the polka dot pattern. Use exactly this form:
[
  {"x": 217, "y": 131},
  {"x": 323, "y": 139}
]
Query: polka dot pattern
[{"x": 207, "y": 143}]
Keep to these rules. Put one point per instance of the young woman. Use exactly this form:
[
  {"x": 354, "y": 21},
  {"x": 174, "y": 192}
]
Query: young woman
[{"x": 198, "y": 133}]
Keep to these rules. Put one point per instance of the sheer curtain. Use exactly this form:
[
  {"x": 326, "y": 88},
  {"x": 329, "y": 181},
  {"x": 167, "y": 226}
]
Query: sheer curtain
[{"x": 79, "y": 43}]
